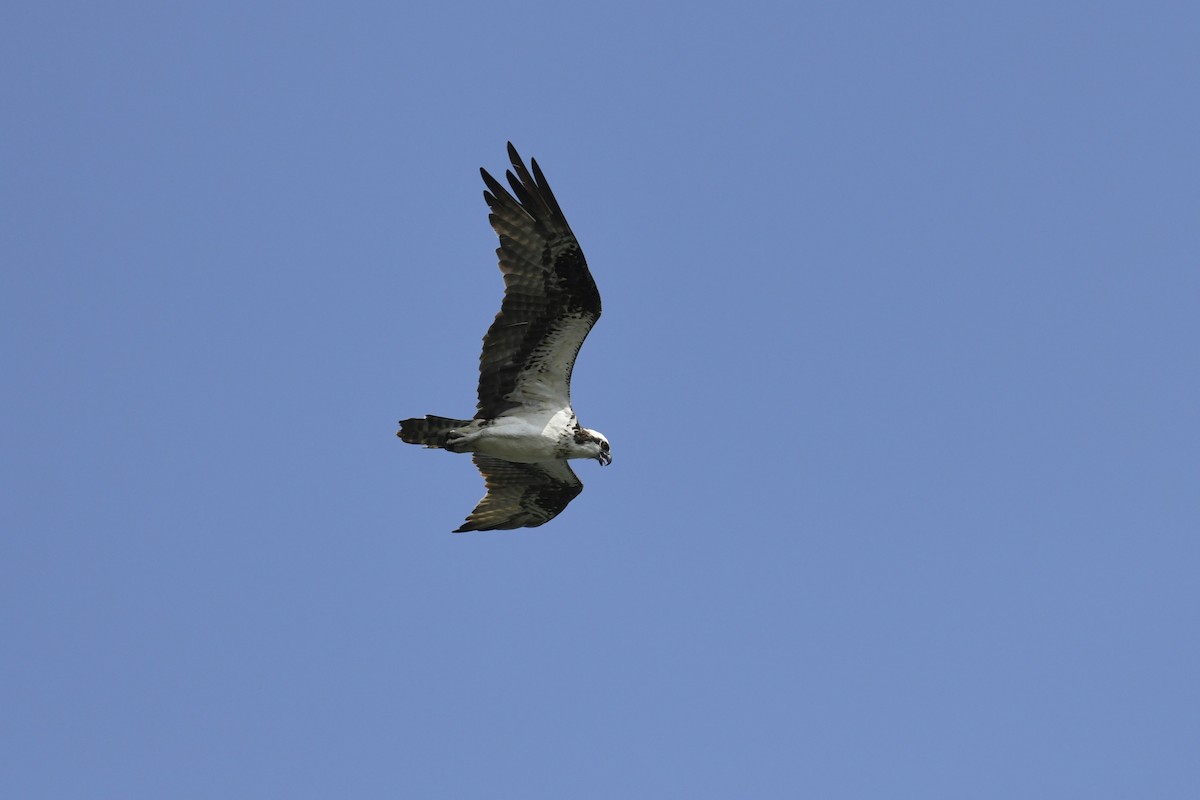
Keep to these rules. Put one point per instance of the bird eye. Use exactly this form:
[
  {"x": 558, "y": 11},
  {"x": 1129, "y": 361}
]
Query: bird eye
[{"x": 604, "y": 446}]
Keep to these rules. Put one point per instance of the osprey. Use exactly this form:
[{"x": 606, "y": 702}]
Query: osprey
[{"x": 524, "y": 430}]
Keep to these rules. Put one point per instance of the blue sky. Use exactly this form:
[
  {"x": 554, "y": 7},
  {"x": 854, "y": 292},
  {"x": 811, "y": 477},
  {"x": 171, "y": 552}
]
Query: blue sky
[{"x": 898, "y": 360}]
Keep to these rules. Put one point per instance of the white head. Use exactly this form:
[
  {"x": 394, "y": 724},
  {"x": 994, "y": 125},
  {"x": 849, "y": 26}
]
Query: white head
[{"x": 592, "y": 444}]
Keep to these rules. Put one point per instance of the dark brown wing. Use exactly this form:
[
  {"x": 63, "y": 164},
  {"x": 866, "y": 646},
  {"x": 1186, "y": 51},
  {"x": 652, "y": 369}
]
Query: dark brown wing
[
  {"x": 550, "y": 300},
  {"x": 521, "y": 495}
]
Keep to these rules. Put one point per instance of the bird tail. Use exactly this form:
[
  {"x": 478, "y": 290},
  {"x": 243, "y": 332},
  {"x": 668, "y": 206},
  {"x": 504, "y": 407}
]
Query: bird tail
[{"x": 431, "y": 431}]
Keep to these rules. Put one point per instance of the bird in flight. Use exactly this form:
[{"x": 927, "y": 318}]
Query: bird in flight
[{"x": 524, "y": 430}]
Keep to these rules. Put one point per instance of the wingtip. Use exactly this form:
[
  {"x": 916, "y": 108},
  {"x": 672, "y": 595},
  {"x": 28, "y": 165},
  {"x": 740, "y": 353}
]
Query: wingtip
[
  {"x": 494, "y": 190},
  {"x": 513, "y": 156}
]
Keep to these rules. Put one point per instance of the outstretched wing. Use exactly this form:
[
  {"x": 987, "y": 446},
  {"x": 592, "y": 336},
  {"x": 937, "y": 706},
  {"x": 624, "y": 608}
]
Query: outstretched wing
[
  {"x": 550, "y": 300},
  {"x": 521, "y": 495}
]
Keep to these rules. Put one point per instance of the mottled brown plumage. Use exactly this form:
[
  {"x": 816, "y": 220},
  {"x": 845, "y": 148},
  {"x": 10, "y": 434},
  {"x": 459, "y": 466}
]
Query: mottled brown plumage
[
  {"x": 521, "y": 495},
  {"x": 549, "y": 294},
  {"x": 432, "y": 431}
]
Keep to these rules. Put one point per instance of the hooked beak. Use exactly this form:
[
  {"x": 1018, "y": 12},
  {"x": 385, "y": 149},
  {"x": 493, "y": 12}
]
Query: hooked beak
[{"x": 605, "y": 459}]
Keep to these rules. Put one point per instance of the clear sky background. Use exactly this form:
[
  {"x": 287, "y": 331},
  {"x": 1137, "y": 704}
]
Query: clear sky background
[{"x": 899, "y": 361}]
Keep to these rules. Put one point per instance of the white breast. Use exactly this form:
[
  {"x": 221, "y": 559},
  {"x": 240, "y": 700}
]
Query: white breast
[{"x": 525, "y": 437}]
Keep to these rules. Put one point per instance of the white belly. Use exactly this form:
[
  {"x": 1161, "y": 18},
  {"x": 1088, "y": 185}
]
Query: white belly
[{"x": 521, "y": 439}]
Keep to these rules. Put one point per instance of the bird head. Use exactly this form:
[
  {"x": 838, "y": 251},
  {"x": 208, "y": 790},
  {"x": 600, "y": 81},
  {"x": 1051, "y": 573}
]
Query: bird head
[{"x": 598, "y": 447}]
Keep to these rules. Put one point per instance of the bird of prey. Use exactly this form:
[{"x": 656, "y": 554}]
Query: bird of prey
[{"x": 524, "y": 429}]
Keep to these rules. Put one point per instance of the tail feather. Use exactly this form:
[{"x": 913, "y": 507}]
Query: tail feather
[{"x": 431, "y": 431}]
